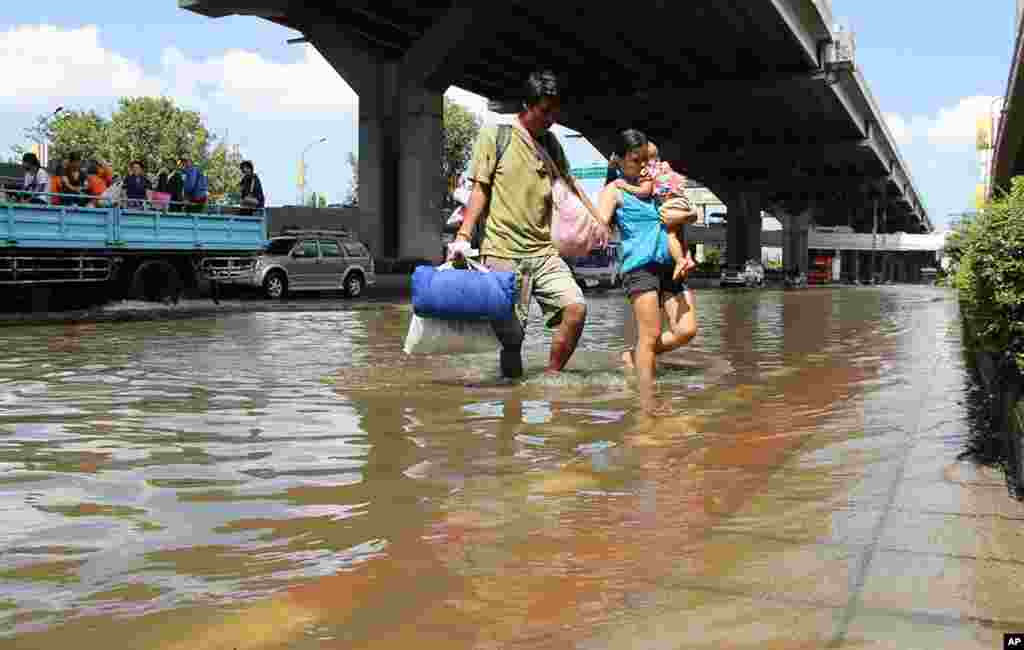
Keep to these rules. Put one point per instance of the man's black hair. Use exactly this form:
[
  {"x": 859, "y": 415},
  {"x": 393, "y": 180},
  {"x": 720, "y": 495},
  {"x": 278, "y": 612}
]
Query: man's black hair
[
  {"x": 139, "y": 163},
  {"x": 247, "y": 163},
  {"x": 30, "y": 159},
  {"x": 540, "y": 84}
]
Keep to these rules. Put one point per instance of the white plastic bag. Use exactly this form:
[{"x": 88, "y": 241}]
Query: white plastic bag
[
  {"x": 435, "y": 336},
  {"x": 455, "y": 220},
  {"x": 112, "y": 195}
]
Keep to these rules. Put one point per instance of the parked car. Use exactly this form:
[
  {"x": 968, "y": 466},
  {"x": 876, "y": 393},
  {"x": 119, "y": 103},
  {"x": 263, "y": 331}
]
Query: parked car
[
  {"x": 601, "y": 268},
  {"x": 795, "y": 280},
  {"x": 750, "y": 274},
  {"x": 308, "y": 260}
]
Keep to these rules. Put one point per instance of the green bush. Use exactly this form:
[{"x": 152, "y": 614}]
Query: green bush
[{"x": 988, "y": 253}]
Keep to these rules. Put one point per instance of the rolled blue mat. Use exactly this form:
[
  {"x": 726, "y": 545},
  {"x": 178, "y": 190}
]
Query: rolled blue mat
[{"x": 456, "y": 294}]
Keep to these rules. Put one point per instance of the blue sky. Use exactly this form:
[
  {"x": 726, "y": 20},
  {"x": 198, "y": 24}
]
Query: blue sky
[{"x": 931, "y": 70}]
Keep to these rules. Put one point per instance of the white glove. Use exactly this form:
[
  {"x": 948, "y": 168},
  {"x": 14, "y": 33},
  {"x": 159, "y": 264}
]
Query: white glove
[{"x": 458, "y": 250}]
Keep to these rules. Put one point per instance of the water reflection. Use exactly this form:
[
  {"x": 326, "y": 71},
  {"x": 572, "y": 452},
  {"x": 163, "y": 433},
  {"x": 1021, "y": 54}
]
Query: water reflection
[{"x": 272, "y": 481}]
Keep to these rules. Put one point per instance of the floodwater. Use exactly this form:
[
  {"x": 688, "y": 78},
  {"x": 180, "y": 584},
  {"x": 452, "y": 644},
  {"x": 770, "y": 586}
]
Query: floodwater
[{"x": 294, "y": 481}]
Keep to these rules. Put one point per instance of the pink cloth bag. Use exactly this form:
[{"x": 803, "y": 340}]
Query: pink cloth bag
[{"x": 574, "y": 231}]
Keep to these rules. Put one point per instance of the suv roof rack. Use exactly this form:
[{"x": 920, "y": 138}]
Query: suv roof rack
[{"x": 316, "y": 232}]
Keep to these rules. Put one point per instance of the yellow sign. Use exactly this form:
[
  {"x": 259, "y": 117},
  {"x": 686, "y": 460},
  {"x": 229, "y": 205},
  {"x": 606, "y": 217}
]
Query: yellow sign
[
  {"x": 980, "y": 191},
  {"x": 983, "y": 131},
  {"x": 302, "y": 173}
]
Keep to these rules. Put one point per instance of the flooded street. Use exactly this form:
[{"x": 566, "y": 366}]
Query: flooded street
[{"x": 292, "y": 480}]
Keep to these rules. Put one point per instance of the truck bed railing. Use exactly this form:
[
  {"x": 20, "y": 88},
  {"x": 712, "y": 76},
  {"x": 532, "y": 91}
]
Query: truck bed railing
[{"x": 34, "y": 223}]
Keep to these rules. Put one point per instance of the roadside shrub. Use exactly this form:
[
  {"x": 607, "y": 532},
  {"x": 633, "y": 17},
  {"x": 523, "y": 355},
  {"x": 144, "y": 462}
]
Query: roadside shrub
[{"x": 989, "y": 255}]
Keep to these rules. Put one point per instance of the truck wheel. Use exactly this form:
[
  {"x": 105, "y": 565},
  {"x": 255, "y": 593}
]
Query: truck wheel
[
  {"x": 354, "y": 285},
  {"x": 275, "y": 285},
  {"x": 156, "y": 281}
]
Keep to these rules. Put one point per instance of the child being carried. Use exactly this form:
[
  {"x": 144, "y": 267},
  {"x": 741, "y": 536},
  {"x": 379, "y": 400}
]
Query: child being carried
[{"x": 668, "y": 189}]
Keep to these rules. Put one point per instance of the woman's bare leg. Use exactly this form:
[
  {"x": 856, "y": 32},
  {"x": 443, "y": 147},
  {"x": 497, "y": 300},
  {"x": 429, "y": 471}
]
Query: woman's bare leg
[{"x": 647, "y": 309}]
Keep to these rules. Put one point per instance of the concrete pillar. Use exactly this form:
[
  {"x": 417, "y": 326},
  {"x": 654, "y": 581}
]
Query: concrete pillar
[
  {"x": 795, "y": 241},
  {"x": 743, "y": 229},
  {"x": 400, "y": 124},
  {"x": 735, "y": 235},
  {"x": 400, "y": 181},
  {"x": 421, "y": 124}
]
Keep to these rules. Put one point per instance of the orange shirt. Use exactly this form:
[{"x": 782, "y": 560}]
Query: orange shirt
[
  {"x": 55, "y": 188},
  {"x": 95, "y": 185}
]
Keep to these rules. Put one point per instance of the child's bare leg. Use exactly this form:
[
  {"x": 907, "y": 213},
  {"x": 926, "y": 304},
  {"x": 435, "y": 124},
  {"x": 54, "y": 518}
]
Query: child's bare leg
[{"x": 683, "y": 262}]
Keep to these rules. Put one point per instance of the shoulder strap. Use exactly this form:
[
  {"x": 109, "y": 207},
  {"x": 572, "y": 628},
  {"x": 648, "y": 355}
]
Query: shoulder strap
[
  {"x": 504, "y": 136},
  {"x": 502, "y": 140}
]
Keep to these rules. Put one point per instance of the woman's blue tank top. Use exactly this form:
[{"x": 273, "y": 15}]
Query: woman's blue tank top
[{"x": 644, "y": 239}]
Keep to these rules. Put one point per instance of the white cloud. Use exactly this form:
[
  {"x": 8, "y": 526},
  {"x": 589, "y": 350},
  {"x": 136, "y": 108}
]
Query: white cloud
[
  {"x": 245, "y": 80},
  {"x": 46, "y": 65},
  {"x": 43, "y": 64},
  {"x": 898, "y": 127},
  {"x": 957, "y": 125},
  {"x": 951, "y": 128}
]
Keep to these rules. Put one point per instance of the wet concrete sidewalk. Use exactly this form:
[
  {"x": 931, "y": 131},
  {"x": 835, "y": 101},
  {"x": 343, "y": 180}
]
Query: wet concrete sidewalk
[{"x": 832, "y": 538}]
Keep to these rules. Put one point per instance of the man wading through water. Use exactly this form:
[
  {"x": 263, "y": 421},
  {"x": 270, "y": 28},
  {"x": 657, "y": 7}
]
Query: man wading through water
[{"x": 512, "y": 170}]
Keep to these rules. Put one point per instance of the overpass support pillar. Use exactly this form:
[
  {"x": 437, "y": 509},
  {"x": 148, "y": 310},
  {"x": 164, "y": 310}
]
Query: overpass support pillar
[
  {"x": 400, "y": 165},
  {"x": 743, "y": 229},
  {"x": 795, "y": 241},
  {"x": 400, "y": 130}
]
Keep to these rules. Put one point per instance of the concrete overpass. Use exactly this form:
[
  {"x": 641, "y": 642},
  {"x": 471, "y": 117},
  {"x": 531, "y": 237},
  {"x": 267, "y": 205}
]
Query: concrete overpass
[
  {"x": 758, "y": 99},
  {"x": 1008, "y": 157}
]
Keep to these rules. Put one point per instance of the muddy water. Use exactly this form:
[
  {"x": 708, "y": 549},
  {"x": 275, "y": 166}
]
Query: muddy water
[{"x": 293, "y": 481}]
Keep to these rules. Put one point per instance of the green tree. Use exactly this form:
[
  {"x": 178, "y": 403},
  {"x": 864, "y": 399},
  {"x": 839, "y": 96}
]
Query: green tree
[
  {"x": 989, "y": 253},
  {"x": 316, "y": 200},
  {"x": 151, "y": 129},
  {"x": 460, "y": 131},
  {"x": 352, "y": 200},
  {"x": 154, "y": 130},
  {"x": 222, "y": 170},
  {"x": 84, "y": 132}
]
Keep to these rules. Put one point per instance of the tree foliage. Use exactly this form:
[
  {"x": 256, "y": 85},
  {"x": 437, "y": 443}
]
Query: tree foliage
[
  {"x": 460, "y": 130},
  {"x": 222, "y": 170},
  {"x": 352, "y": 200},
  {"x": 988, "y": 254},
  {"x": 151, "y": 129}
]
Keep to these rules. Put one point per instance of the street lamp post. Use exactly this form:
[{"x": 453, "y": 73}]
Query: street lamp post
[
  {"x": 302, "y": 168},
  {"x": 44, "y": 142}
]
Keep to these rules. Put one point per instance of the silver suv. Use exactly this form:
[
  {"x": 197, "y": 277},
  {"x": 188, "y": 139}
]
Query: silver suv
[{"x": 304, "y": 260}]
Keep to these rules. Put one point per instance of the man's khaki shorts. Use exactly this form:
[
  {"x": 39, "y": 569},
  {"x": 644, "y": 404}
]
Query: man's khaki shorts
[{"x": 548, "y": 279}]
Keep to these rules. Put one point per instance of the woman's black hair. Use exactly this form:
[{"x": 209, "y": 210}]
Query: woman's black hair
[
  {"x": 30, "y": 159},
  {"x": 247, "y": 163},
  {"x": 629, "y": 140},
  {"x": 540, "y": 84}
]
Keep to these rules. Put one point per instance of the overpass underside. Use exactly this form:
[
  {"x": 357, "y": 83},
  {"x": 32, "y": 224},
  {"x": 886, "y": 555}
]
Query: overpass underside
[{"x": 750, "y": 98}]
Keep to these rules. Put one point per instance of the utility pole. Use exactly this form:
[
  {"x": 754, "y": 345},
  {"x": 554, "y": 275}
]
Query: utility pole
[{"x": 302, "y": 170}]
